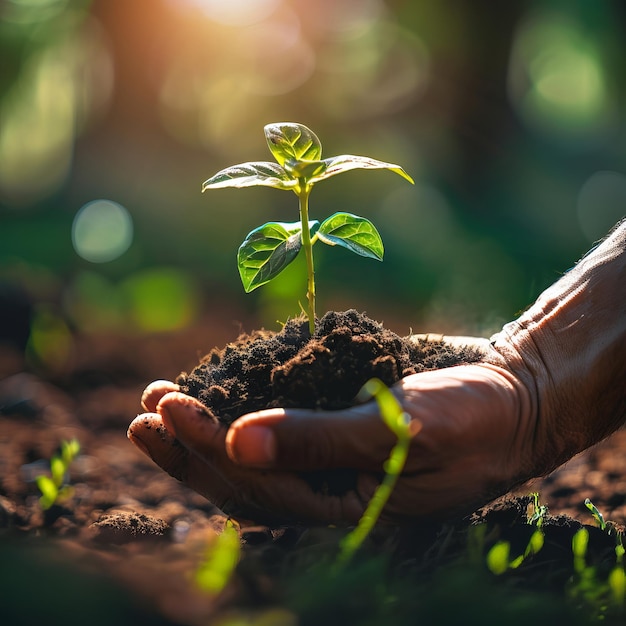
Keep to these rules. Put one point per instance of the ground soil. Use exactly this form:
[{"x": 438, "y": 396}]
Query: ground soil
[{"x": 123, "y": 548}]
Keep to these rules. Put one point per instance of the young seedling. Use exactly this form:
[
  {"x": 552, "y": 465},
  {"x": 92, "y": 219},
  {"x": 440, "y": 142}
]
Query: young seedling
[
  {"x": 221, "y": 558},
  {"x": 596, "y": 513},
  {"x": 268, "y": 249},
  {"x": 53, "y": 487},
  {"x": 539, "y": 511},
  {"x": 586, "y": 584},
  {"x": 499, "y": 560}
]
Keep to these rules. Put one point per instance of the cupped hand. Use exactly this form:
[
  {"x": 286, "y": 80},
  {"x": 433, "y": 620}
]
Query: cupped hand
[
  {"x": 473, "y": 439},
  {"x": 551, "y": 384}
]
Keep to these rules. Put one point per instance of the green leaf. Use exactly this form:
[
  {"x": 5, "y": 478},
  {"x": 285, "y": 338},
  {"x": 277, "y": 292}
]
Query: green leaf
[
  {"x": 580, "y": 541},
  {"x": 535, "y": 543},
  {"x": 596, "y": 513},
  {"x": 346, "y": 162},
  {"x": 617, "y": 584},
  {"x": 263, "y": 173},
  {"x": 305, "y": 169},
  {"x": 289, "y": 141},
  {"x": 267, "y": 250},
  {"x": 48, "y": 490},
  {"x": 69, "y": 451},
  {"x": 498, "y": 558},
  {"x": 354, "y": 233},
  {"x": 58, "y": 469},
  {"x": 220, "y": 560}
]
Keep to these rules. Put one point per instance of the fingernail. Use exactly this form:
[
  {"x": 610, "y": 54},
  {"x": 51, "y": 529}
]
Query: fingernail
[{"x": 252, "y": 445}]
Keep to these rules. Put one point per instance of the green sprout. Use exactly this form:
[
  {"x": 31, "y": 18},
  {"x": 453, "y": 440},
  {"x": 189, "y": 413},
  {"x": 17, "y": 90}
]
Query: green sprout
[
  {"x": 586, "y": 584},
  {"x": 499, "y": 560},
  {"x": 53, "y": 487},
  {"x": 220, "y": 560},
  {"x": 400, "y": 424},
  {"x": 539, "y": 511},
  {"x": 268, "y": 249},
  {"x": 596, "y": 513}
]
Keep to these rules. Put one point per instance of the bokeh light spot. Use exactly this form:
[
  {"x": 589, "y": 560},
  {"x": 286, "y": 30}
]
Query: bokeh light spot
[
  {"x": 557, "y": 80},
  {"x": 95, "y": 303},
  {"x": 601, "y": 203},
  {"x": 102, "y": 231},
  {"x": 59, "y": 90},
  {"x": 31, "y": 11},
  {"x": 161, "y": 299},
  {"x": 383, "y": 68},
  {"x": 50, "y": 343}
]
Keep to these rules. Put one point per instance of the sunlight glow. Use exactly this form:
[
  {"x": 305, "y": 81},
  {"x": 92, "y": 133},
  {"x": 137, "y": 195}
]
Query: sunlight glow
[
  {"x": 203, "y": 102},
  {"x": 235, "y": 12},
  {"x": 384, "y": 67}
]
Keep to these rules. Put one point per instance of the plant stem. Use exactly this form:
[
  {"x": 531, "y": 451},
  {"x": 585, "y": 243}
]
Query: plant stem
[
  {"x": 303, "y": 196},
  {"x": 352, "y": 542}
]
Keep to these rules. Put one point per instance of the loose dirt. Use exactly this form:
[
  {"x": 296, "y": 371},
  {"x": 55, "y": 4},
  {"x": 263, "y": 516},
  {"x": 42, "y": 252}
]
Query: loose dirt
[{"x": 124, "y": 547}]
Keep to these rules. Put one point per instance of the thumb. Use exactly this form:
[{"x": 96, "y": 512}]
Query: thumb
[{"x": 300, "y": 439}]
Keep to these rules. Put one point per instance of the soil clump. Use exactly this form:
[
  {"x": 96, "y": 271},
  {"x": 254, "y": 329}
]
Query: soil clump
[{"x": 293, "y": 369}]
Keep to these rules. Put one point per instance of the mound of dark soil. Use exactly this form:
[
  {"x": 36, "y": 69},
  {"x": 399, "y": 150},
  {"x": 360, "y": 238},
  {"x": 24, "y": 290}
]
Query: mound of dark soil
[{"x": 293, "y": 369}]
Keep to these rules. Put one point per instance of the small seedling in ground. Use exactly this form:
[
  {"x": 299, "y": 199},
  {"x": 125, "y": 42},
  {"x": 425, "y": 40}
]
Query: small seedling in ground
[
  {"x": 220, "y": 560},
  {"x": 539, "y": 512},
  {"x": 268, "y": 249},
  {"x": 602, "y": 597},
  {"x": 617, "y": 577},
  {"x": 54, "y": 487},
  {"x": 499, "y": 560}
]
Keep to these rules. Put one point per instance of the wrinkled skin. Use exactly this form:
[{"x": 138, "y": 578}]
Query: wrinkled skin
[{"x": 552, "y": 383}]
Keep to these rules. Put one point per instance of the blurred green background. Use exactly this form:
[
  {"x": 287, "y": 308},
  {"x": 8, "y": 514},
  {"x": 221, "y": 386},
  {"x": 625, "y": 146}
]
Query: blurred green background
[{"x": 509, "y": 115}]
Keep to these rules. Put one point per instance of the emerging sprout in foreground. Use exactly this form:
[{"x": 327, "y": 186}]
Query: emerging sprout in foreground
[
  {"x": 54, "y": 487},
  {"x": 268, "y": 249}
]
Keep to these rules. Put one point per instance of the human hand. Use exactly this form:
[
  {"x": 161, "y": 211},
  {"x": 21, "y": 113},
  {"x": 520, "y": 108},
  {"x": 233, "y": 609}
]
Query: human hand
[
  {"x": 551, "y": 384},
  {"x": 475, "y": 426}
]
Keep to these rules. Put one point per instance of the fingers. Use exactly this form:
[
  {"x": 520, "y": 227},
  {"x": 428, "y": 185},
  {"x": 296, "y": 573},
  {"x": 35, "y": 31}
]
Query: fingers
[
  {"x": 153, "y": 434},
  {"x": 148, "y": 433},
  {"x": 154, "y": 392},
  {"x": 197, "y": 456},
  {"x": 311, "y": 440}
]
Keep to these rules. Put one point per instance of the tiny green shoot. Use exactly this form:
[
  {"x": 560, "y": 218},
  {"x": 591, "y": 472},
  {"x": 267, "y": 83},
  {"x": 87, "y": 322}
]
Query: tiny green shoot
[
  {"x": 499, "y": 560},
  {"x": 404, "y": 429},
  {"x": 53, "y": 487},
  {"x": 268, "y": 249},
  {"x": 596, "y": 513},
  {"x": 498, "y": 557},
  {"x": 539, "y": 511},
  {"x": 220, "y": 560}
]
